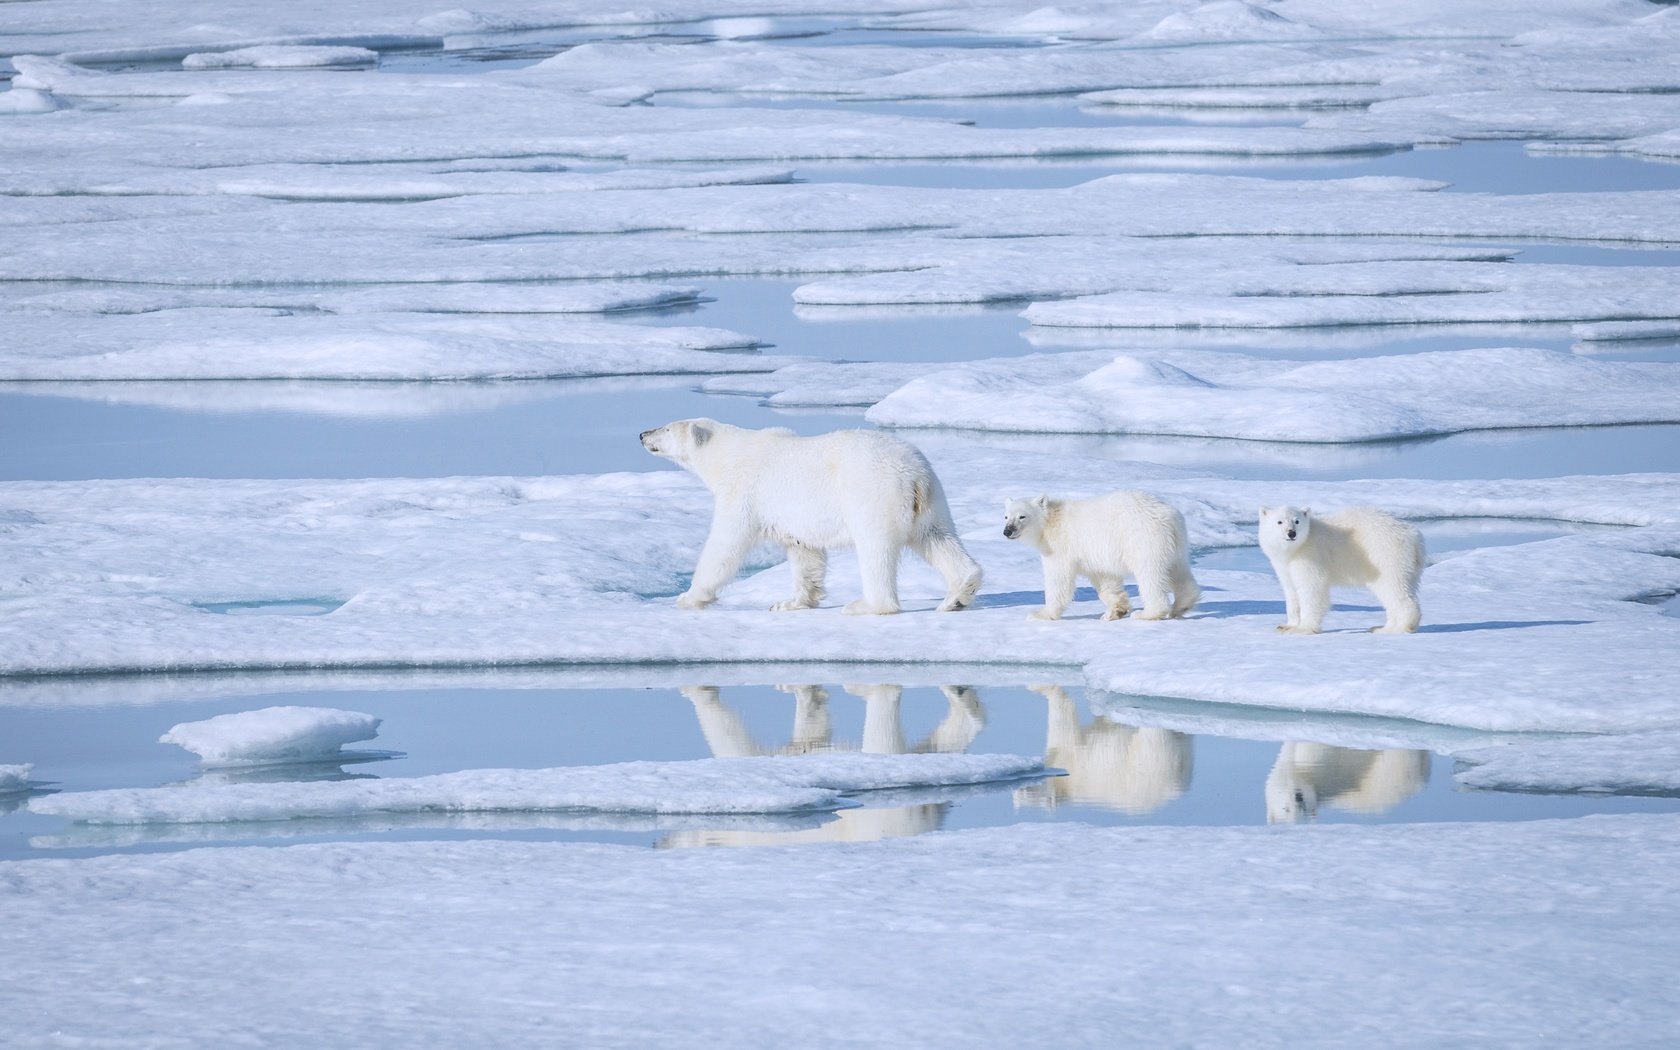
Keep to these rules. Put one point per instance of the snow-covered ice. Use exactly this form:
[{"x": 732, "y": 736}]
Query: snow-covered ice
[
  {"x": 1212, "y": 394},
  {"x": 1647, "y": 764},
  {"x": 212, "y": 192},
  {"x": 575, "y": 570},
  {"x": 1510, "y": 934},
  {"x": 219, "y": 343},
  {"x": 273, "y": 735},
  {"x": 771, "y": 784}
]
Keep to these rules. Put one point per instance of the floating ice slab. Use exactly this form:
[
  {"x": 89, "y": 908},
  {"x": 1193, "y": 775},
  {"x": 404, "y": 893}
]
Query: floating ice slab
[
  {"x": 277, "y": 56},
  {"x": 1211, "y": 394},
  {"x": 778, "y": 784},
  {"x": 1536, "y": 898},
  {"x": 14, "y": 778},
  {"x": 1648, "y": 764},
  {"x": 582, "y": 570},
  {"x": 206, "y": 343},
  {"x": 273, "y": 735}
]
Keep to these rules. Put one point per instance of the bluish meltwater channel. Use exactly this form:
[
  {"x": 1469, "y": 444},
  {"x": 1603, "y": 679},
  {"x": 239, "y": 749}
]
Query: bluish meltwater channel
[{"x": 1125, "y": 761}]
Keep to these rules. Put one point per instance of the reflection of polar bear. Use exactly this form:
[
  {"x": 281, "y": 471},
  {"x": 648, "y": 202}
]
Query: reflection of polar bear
[
  {"x": 1105, "y": 538},
  {"x": 1133, "y": 769},
  {"x": 1361, "y": 546},
  {"x": 883, "y": 733},
  {"x": 851, "y": 488},
  {"x": 1308, "y": 775}
]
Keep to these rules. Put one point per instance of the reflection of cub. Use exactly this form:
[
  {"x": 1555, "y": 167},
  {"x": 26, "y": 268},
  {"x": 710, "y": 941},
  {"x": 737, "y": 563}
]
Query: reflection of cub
[
  {"x": 1361, "y": 546},
  {"x": 851, "y": 488},
  {"x": 1133, "y": 769},
  {"x": 1105, "y": 538},
  {"x": 1308, "y": 775}
]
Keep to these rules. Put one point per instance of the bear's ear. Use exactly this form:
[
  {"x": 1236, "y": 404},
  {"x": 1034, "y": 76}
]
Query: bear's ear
[
  {"x": 700, "y": 433},
  {"x": 1041, "y": 502},
  {"x": 1265, "y": 512},
  {"x": 1306, "y": 512}
]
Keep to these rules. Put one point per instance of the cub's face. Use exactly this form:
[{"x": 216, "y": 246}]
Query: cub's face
[
  {"x": 1023, "y": 519},
  {"x": 678, "y": 441},
  {"x": 1285, "y": 525}
]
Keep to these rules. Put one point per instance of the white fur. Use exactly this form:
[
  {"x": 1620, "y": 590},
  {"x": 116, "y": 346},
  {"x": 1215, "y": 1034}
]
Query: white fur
[
  {"x": 1306, "y": 776},
  {"x": 1361, "y": 546},
  {"x": 1104, "y": 539},
  {"x": 850, "y": 488}
]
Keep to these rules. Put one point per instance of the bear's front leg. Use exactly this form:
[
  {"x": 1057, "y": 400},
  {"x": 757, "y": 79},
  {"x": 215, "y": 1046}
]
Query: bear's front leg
[
  {"x": 720, "y": 559},
  {"x": 1291, "y": 606},
  {"x": 810, "y": 567},
  {"x": 1312, "y": 599},
  {"x": 1117, "y": 605},
  {"x": 1059, "y": 582}
]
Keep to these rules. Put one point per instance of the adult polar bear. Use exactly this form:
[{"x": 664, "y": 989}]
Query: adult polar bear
[
  {"x": 849, "y": 488},
  {"x": 1362, "y": 546}
]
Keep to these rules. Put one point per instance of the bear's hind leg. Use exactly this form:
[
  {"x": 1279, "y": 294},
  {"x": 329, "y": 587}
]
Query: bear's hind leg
[
  {"x": 1400, "y": 605},
  {"x": 1186, "y": 592},
  {"x": 1155, "y": 588},
  {"x": 946, "y": 554},
  {"x": 810, "y": 566}
]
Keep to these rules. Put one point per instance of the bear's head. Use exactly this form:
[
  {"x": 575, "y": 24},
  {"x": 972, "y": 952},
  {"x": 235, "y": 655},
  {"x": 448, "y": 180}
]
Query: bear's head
[
  {"x": 679, "y": 441},
  {"x": 1284, "y": 526},
  {"x": 1023, "y": 519}
]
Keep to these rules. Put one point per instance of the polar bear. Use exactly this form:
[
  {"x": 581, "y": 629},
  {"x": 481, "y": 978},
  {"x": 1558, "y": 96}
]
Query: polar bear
[
  {"x": 1105, "y": 538},
  {"x": 849, "y": 488},
  {"x": 1361, "y": 546}
]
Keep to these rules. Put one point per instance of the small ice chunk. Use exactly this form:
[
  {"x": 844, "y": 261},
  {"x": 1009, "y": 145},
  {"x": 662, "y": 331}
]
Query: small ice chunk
[
  {"x": 272, "y": 735},
  {"x": 14, "y": 779},
  {"x": 277, "y": 56}
]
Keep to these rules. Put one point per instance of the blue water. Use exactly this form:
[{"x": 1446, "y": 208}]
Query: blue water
[{"x": 1167, "y": 776}]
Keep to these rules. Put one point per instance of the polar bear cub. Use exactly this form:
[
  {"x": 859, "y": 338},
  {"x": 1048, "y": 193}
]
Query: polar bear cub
[
  {"x": 849, "y": 488},
  {"x": 1105, "y": 538},
  {"x": 1361, "y": 546}
]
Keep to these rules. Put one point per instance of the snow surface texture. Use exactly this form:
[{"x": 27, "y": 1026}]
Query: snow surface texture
[
  {"x": 1418, "y": 935},
  {"x": 718, "y": 785},
  {"x": 576, "y": 570},
  {"x": 273, "y": 735}
]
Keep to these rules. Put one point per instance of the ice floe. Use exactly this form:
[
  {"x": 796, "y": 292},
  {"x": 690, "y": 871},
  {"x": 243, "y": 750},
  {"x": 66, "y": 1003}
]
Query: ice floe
[
  {"x": 275, "y": 56},
  {"x": 219, "y": 343},
  {"x": 273, "y": 735},
  {"x": 580, "y": 570},
  {"x": 1210, "y": 394},
  {"x": 732, "y": 785},
  {"x": 1648, "y": 764}
]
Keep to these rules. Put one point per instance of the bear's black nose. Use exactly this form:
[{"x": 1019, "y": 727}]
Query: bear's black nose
[
  {"x": 1291, "y": 534},
  {"x": 645, "y": 433},
  {"x": 1009, "y": 532}
]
